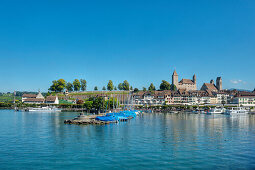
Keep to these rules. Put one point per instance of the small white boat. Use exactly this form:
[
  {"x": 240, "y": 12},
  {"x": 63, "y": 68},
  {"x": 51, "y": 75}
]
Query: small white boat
[
  {"x": 217, "y": 111},
  {"x": 236, "y": 111},
  {"x": 44, "y": 109}
]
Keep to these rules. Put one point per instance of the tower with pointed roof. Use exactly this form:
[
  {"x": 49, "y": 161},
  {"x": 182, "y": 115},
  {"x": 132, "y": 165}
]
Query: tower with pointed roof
[
  {"x": 194, "y": 79},
  {"x": 175, "y": 79}
]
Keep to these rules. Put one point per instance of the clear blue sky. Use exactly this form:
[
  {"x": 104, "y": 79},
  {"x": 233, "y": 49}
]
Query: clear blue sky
[{"x": 138, "y": 41}]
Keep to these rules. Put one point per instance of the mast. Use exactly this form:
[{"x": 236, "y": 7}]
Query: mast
[{"x": 14, "y": 94}]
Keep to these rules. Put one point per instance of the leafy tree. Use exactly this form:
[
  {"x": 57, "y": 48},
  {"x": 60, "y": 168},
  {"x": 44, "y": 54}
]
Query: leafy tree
[
  {"x": 125, "y": 85},
  {"x": 110, "y": 85},
  {"x": 69, "y": 86},
  {"x": 120, "y": 86},
  {"x": 54, "y": 86},
  {"x": 152, "y": 87},
  {"x": 76, "y": 85},
  {"x": 95, "y": 88},
  {"x": 254, "y": 90},
  {"x": 136, "y": 90},
  {"x": 104, "y": 88},
  {"x": 131, "y": 88},
  {"x": 115, "y": 88},
  {"x": 58, "y": 85},
  {"x": 61, "y": 85},
  {"x": 83, "y": 85},
  {"x": 165, "y": 85},
  {"x": 173, "y": 87},
  {"x": 98, "y": 103},
  {"x": 88, "y": 105},
  {"x": 144, "y": 89}
]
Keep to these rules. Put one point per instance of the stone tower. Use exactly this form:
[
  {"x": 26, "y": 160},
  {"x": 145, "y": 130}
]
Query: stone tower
[
  {"x": 194, "y": 79},
  {"x": 219, "y": 83},
  {"x": 175, "y": 79}
]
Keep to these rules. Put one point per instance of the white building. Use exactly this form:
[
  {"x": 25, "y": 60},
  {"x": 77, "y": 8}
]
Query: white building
[
  {"x": 149, "y": 98},
  {"x": 52, "y": 100},
  {"x": 33, "y": 98}
]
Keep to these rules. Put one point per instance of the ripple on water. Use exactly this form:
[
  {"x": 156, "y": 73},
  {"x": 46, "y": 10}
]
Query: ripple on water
[{"x": 151, "y": 141}]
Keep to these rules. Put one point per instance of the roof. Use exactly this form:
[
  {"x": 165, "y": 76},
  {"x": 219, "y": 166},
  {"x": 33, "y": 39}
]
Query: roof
[
  {"x": 34, "y": 100},
  {"x": 175, "y": 73},
  {"x": 50, "y": 98},
  {"x": 186, "y": 81},
  {"x": 29, "y": 95},
  {"x": 245, "y": 94},
  {"x": 210, "y": 86}
]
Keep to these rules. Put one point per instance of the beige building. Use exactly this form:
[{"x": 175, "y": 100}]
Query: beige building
[{"x": 185, "y": 84}]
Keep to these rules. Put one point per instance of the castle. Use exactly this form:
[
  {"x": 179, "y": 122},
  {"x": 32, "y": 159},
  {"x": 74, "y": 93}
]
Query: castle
[
  {"x": 213, "y": 87},
  {"x": 186, "y": 84}
]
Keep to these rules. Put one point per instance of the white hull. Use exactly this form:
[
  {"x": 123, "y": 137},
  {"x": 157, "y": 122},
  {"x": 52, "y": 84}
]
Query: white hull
[
  {"x": 237, "y": 111},
  {"x": 217, "y": 111},
  {"x": 44, "y": 109}
]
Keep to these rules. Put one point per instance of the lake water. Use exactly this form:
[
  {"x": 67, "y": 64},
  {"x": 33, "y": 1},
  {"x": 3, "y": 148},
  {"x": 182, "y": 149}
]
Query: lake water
[{"x": 151, "y": 141}]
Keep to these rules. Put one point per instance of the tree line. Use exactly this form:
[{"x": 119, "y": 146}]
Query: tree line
[{"x": 81, "y": 85}]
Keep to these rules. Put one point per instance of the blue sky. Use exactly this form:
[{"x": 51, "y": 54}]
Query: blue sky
[{"x": 138, "y": 41}]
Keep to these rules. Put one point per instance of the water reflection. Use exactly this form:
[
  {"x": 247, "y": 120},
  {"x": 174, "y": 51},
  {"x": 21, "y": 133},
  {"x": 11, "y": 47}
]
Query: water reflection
[{"x": 151, "y": 140}]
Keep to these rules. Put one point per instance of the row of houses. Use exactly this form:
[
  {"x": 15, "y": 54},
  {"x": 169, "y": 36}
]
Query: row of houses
[
  {"x": 194, "y": 97},
  {"x": 39, "y": 99}
]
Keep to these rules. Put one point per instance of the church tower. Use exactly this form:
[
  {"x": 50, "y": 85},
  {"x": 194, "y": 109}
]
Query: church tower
[
  {"x": 219, "y": 83},
  {"x": 175, "y": 79},
  {"x": 194, "y": 79}
]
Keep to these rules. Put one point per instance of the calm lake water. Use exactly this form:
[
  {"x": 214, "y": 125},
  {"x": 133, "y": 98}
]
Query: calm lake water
[{"x": 151, "y": 141}]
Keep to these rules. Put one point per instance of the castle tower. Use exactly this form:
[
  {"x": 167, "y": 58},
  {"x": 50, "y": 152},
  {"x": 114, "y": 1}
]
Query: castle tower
[
  {"x": 175, "y": 79},
  {"x": 194, "y": 79},
  {"x": 219, "y": 83}
]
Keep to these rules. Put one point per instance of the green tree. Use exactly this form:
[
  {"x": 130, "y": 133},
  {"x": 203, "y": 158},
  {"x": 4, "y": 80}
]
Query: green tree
[
  {"x": 98, "y": 103},
  {"x": 69, "y": 86},
  {"x": 76, "y": 85},
  {"x": 152, "y": 87},
  {"x": 144, "y": 89},
  {"x": 165, "y": 85},
  {"x": 125, "y": 85},
  {"x": 110, "y": 85},
  {"x": 58, "y": 85},
  {"x": 120, "y": 86},
  {"x": 115, "y": 88},
  {"x": 88, "y": 105},
  {"x": 54, "y": 86},
  {"x": 61, "y": 85},
  {"x": 104, "y": 88},
  {"x": 173, "y": 87},
  {"x": 83, "y": 85},
  {"x": 131, "y": 88},
  {"x": 95, "y": 88},
  {"x": 136, "y": 90}
]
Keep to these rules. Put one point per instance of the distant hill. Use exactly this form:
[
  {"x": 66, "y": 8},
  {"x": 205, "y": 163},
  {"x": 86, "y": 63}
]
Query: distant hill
[{"x": 240, "y": 89}]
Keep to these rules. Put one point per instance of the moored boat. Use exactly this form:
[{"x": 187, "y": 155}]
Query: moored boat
[
  {"x": 44, "y": 109},
  {"x": 236, "y": 111},
  {"x": 217, "y": 111}
]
